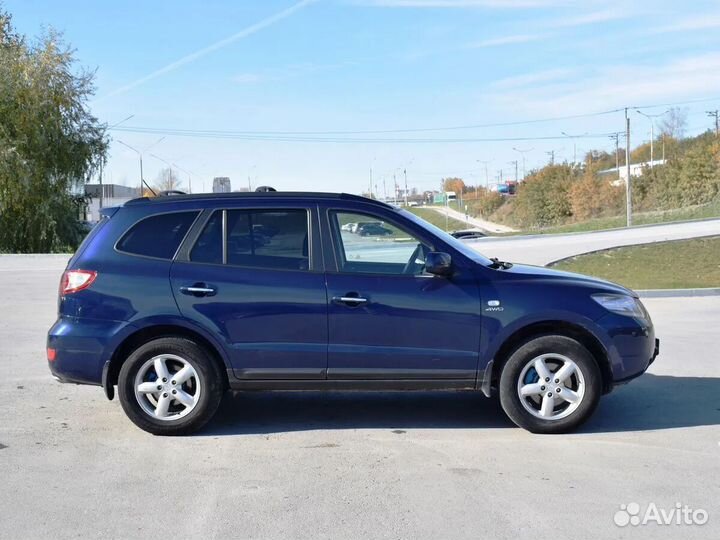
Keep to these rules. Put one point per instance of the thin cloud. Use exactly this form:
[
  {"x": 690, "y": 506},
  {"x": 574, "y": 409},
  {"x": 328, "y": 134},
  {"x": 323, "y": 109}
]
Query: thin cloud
[
  {"x": 500, "y": 4},
  {"x": 594, "y": 17},
  {"x": 532, "y": 79},
  {"x": 700, "y": 22},
  {"x": 504, "y": 40},
  {"x": 615, "y": 86},
  {"x": 242, "y": 34}
]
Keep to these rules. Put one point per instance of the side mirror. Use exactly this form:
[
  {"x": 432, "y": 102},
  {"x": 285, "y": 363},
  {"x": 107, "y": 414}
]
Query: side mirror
[{"x": 438, "y": 263}]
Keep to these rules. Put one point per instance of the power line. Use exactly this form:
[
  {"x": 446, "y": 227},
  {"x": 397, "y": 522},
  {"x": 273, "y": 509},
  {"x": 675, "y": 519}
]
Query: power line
[
  {"x": 288, "y": 138},
  {"x": 441, "y": 128}
]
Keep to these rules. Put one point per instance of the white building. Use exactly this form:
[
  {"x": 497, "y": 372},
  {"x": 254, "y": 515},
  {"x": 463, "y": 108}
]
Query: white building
[{"x": 636, "y": 169}]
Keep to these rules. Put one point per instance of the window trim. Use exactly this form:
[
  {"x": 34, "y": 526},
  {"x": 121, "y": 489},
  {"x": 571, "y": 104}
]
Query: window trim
[
  {"x": 187, "y": 250},
  {"x": 336, "y": 240},
  {"x": 198, "y": 213}
]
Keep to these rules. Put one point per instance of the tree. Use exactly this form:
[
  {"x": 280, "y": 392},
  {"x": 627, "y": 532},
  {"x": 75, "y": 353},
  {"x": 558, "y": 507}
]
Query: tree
[
  {"x": 167, "y": 180},
  {"x": 674, "y": 123},
  {"x": 454, "y": 184},
  {"x": 49, "y": 142},
  {"x": 542, "y": 199}
]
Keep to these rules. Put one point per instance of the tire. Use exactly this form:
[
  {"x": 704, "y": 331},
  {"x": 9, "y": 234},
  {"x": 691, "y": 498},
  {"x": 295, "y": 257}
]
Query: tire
[
  {"x": 201, "y": 392},
  {"x": 535, "y": 410}
]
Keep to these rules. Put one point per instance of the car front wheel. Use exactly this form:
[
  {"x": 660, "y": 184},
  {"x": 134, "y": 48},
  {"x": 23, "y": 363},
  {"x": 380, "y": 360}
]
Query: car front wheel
[
  {"x": 170, "y": 386},
  {"x": 551, "y": 384}
]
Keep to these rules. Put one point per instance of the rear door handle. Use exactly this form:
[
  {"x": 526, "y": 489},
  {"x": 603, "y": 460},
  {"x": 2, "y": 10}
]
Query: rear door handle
[{"x": 199, "y": 289}]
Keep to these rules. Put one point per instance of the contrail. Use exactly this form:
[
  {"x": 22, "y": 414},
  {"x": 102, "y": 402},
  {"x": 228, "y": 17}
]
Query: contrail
[{"x": 245, "y": 32}]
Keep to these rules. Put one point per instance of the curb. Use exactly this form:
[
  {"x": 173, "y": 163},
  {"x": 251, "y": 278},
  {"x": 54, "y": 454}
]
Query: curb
[{"x": 671, "y": 293}]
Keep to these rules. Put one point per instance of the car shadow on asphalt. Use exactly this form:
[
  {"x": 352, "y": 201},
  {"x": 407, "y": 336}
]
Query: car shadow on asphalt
[
  {"x": 651, "y": 402},
  {"x": 275, "y": 412}
]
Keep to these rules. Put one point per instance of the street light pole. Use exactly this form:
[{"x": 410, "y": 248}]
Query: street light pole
[
  {"x": 100, "y": 180},
  {"x": 652, "y": 117},
  {"x": 574, "y": 138},
  {"x": 140, "y": 155},
  {"x": 522, "y": 153}
]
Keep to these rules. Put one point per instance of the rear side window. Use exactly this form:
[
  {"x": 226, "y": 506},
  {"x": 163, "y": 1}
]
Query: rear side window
[
  {"x": 157, "y": 236},
  {"x": 256, "y": 238}
]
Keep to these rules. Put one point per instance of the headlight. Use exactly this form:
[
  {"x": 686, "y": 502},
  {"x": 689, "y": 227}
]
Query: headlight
[{"x": 622, "y": 305}]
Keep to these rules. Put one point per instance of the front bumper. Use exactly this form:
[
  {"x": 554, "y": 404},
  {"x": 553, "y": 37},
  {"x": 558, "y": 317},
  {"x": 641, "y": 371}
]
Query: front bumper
[{"x": 631, "y": 346}]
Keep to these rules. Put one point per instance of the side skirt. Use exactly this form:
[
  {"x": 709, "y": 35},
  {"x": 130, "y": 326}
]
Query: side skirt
[{"x": 354, "y": 384}]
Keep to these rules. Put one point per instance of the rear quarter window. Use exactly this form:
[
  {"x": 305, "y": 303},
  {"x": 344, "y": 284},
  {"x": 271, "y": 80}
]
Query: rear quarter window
[{"x": 157, "y": 236}]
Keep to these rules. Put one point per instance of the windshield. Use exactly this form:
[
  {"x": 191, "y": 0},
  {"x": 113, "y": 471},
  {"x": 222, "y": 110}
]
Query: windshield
[{"x": 447, "y": 238}]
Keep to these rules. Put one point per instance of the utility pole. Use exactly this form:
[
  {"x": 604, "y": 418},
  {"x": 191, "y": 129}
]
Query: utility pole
[
  {"x": 487, "y": 178},
  {"x": 371, "y": 184},
  {"x": 616, "y": 137},
  {"x": 628, "y": 186},
  {"x": 551, "y": 153},
  {"x": 715, "y": 113},
  {"x": 515, "y": 162},
  {"x": 384, "y": 189},
  {"x": 406, "y": 189}
]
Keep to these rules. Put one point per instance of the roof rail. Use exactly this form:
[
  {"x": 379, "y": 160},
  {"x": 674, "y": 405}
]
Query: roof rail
[{"x": 177, "y": 196}]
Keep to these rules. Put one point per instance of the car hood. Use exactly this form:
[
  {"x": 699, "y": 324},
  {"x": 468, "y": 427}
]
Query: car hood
[{"x": 541, "y": 272}]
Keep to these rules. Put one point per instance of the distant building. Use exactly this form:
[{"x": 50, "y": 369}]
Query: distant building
[
  {"x": 221, "y": 184},
  {"x": 636, "y": 169},
  {"x": 113, "y": 195}
]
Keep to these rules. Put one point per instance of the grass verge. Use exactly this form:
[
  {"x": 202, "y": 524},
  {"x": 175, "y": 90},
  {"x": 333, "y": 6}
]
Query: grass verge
[
  {"x": 438, "y": 219},
  {"x": 678, "y": 264}
]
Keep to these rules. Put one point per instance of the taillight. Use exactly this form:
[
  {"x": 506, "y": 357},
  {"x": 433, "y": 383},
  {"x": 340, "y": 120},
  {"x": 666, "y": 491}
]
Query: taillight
[{"x": 76, "y": 280}]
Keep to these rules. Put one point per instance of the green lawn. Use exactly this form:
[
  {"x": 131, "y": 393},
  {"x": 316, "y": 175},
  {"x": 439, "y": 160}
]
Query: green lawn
[
  {"x": 645, "y": 218},
  {"x": 438, "y": 219},
  {"x": 677, "y": 264}
]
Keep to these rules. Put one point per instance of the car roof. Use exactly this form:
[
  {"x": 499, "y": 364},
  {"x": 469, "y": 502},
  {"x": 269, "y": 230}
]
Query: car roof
[{"x": 254, "y": 195}]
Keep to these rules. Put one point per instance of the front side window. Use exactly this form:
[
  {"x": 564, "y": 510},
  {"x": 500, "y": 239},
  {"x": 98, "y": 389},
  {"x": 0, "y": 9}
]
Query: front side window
[
  {"x": 365, "y": 244},
  {"x": 157, "y": 236},
  {"x": 256, "y": 238}
]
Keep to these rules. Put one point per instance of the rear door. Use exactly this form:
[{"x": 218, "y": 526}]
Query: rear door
[{"x": 254, "y": 277}]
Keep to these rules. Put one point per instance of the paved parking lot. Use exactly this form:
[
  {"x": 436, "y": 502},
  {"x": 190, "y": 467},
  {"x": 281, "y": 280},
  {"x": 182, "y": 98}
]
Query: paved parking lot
[{"x": 357, "y": 464}]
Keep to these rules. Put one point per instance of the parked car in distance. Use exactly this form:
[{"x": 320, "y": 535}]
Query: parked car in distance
[
  {"x": 173, "y": 301},
  {"x": 349, "y": 227},
  {"x": 470, "y": 234},
  {"x": 372, "y": 229}
]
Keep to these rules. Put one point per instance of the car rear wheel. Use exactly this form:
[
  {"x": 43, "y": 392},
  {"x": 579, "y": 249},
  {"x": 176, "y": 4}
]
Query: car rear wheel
[
  {"x": 551, "y": 384},
  {"x": 170, "y": 386}
]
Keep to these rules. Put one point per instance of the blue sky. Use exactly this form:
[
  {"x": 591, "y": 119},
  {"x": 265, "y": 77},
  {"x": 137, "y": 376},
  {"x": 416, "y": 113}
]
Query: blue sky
[{"x": 247, "y": 68}]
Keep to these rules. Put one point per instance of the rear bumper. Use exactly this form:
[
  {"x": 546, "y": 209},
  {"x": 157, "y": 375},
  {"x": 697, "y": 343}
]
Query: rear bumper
[{"x": 82, "y": 347}]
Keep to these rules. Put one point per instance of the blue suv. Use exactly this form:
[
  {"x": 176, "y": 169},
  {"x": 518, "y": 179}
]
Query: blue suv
[{"x": 176, "y": 299}]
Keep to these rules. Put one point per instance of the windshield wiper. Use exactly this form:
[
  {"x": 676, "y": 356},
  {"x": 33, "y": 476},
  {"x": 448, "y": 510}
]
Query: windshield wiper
[{"x": 497, "y": 263}]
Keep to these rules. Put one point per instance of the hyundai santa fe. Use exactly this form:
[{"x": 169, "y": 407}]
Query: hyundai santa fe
[{"x": 176, "y": 299}]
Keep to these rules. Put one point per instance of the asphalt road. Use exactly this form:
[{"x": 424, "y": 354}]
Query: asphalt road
[
  {"x": 544, "y": 249},
  {"x": 352, "y": 465}
]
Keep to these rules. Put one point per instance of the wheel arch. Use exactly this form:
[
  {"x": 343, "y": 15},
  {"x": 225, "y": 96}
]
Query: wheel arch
[
  {"x": 149, "y": 333},
  {"x": 553, "y": 327}
]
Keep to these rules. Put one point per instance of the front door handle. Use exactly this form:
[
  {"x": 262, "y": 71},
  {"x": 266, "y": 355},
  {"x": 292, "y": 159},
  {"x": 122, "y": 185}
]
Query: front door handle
[
  {"x": 349, "y": 300},
  {"x": 199, "y": 289}
]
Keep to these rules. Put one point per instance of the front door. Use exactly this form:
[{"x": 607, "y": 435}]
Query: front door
[
  {"x": 387, "y": 318},
  {"x": 251, "y": 278}
]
